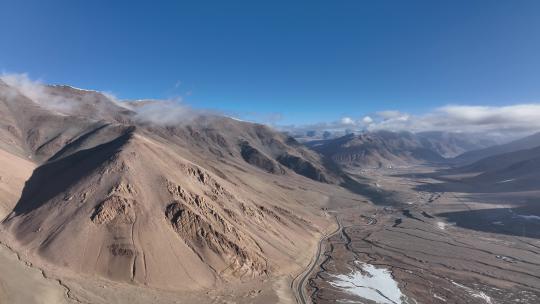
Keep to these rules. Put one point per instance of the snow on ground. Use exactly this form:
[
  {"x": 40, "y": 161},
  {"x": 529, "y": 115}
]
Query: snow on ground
[
  {"x": 506, "y": 181},
  {"x": 372, "y": 283},
  {"x": 74, "y": 88},
  {"x": 529, "y": 217},
  {"x": 474, "y": 293},
  {"x": 441, "y": 225},
  {"x": 439, "y": 297},
  {"x": 237, "y": 119}
]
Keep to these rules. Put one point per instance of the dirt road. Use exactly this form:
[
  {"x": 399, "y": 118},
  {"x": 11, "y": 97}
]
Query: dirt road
[{"x": 299, "y": 283}]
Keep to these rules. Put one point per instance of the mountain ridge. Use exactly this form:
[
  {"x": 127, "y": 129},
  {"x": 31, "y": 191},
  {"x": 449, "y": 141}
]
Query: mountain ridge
[{"x": 116, "y": 197}]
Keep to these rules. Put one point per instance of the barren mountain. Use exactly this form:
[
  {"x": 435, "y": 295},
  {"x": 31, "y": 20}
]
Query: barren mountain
[
  {"x": 528, "y": 142},
  {"x": 387, "y": 149},
  {"x": 377, "y": 149},
  {"x": 513, "y": 171},
  {"x": 175, "y": 206},
  {"x": 450, "y": 144}
]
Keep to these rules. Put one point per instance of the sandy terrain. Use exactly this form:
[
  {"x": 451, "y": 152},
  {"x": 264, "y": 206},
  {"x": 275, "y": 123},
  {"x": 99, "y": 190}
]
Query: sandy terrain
[
  {"x": 14, "y": 171},
  {"x": 21, "y": 283}
]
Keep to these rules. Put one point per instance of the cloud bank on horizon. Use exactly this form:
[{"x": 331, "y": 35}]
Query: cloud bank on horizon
[{"x": 512, "y": 119}]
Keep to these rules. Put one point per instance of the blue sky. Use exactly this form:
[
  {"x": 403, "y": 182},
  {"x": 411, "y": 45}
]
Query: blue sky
[{"x": 290, "y": 62}]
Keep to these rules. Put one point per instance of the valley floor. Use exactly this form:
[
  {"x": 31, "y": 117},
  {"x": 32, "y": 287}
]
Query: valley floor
[{"x": 429, "y": 247}]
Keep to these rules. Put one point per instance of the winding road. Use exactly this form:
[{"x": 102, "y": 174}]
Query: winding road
[{"x": 298, "y": 284}]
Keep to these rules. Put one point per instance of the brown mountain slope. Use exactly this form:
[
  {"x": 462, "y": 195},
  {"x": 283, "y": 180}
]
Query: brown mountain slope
[
  {"x": 512, "y": 171},
  {"x": 451, "y": 144},
  {"x": 470, "y": 157},
  {"x": 378, "y": 149},
  {"x": 258, "y": 145},
  {"x": 34, "y": 130},
  {"x": 173, "y": 207},
  {"x": 14, "y": 171}
]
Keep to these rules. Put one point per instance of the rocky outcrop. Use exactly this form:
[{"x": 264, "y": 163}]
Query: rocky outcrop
[
  {"x": 302, "y": 167},
  {"x": 114, "y": 208},
  {"x": 242, "y": 254},
  {"x": 205, "y": 226},
  {"x": 258, "y": 159}
]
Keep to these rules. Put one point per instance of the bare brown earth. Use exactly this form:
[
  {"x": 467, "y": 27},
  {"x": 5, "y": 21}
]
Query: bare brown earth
[
  {"x": 433, "y": 259},
  {"x": 121, "y": 210},
  {"x": 20, "y": 283},
  {"x": 14, "y": 171}
]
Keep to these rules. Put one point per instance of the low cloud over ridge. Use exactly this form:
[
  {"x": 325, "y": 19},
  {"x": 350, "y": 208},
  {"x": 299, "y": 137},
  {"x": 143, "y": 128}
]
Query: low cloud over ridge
[{"x": 162, "y": 112}]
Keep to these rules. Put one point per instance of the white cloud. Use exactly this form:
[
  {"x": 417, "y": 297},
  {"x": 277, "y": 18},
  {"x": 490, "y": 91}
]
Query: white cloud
[
  {"x": 511, "y": 120},
  {"x": 347, "y": 121},
  {"x": 521, "y": 115},
  {"x": 465, "y": 118},
  {"x": 44, "y": 96},
  {"x": 37, "y": 91},
  {"x": 165, "y": 112}
]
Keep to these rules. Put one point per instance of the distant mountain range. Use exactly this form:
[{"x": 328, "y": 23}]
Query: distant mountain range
[
  {"x": 525, "y": 143},
  {"x": 481, "y": 164},
  {"x": 390, "y": 149},
  {"x": 510, "y": 167}
]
